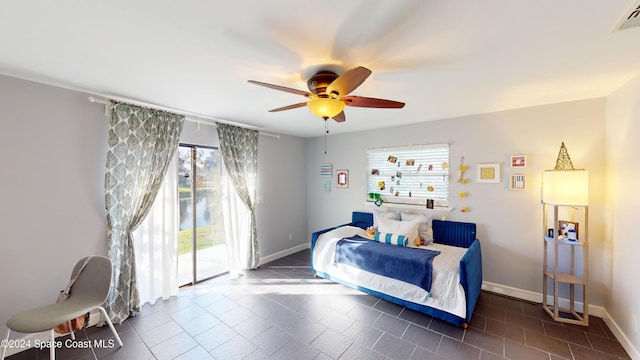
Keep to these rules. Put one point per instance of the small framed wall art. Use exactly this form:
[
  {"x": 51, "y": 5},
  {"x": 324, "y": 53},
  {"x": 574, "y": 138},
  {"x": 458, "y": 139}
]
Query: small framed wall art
[
  {"x": 342, "y": 179},
  {"x": 326, "y": 170},
  {"x": 519, "y": 161},
  {"x": 517, "y": 182},
  {"x": 488, "y": 173},
  {"x": 326, "y": 186}
]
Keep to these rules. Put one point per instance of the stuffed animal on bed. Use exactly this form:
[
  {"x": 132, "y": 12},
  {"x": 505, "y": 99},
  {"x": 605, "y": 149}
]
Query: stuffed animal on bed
[{"x": 370, "y": 232}]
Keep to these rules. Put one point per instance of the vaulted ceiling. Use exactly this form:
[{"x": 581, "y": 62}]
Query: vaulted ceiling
[{"x": 442, "y": 58}]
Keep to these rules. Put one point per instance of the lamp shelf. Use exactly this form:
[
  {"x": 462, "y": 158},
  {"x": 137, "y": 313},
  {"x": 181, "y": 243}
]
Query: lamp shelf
[
  {"x": 565, "y": 278},
  {"x": 575, "y": 269},
  {"x": 578, "y": 319},
  {"x": 565, "y": 241}
]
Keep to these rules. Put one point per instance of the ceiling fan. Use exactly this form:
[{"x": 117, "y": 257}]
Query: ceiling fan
[{"x": 328, "y": 93}]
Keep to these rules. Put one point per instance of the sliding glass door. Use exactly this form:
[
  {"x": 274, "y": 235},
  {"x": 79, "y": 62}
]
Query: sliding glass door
[{"x": 202, "y": 252}]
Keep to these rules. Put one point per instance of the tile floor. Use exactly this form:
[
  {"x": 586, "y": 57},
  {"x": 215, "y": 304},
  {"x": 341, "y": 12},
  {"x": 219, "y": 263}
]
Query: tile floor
[{"x": 281, "y": 312}]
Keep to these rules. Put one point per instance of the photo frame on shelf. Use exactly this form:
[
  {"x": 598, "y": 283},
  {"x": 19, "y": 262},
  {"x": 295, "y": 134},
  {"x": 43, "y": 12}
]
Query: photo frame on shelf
[
  {"x": 564, "y": 226},
  {"x": 519, "y": 161},
  {"x": 342, "y": 179},
  {"x": 488, "y": 173}
]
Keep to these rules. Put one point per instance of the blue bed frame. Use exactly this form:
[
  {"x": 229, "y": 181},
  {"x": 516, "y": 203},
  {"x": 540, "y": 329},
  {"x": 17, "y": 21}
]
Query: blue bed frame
[{"x": 453, "y": 233}]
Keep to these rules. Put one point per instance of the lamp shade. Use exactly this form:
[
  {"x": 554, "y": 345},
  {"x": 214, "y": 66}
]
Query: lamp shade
[
  {"x": 325, "y": 108},
  {"x": 565, "y": 187}
]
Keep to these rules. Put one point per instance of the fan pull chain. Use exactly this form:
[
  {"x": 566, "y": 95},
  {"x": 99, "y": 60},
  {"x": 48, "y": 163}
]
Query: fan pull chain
[{"x": 326, "y": 131}]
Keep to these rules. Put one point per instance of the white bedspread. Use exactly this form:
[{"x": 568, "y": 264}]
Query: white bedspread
[{"x": 447, "y": 293}]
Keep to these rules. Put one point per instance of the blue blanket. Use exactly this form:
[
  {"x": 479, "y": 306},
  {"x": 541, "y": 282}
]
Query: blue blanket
[{"x": 402, "y": 263}]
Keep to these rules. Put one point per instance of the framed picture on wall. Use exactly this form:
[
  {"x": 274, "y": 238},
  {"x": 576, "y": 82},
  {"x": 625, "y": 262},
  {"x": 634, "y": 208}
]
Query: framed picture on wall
[
  {"x": 326, "y": 186},
  {"x": 488, "y": 173},
  {"x": 517, "y": 182},
  {"x": 326, "y": 170},
  {"x": 342, "y": 179},
  {"x": 519, "y": 161}
]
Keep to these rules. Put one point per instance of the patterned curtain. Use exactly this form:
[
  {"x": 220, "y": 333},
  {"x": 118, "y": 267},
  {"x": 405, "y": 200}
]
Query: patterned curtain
[
  {"x": 239, "y": 149},
  {"x": 142, "y": 142}
]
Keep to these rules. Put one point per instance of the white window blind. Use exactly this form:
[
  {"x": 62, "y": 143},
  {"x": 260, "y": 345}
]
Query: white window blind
[{"x": 410, "y": 175}]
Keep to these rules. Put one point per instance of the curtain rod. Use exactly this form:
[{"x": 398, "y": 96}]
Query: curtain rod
[{"x": 196, "y": 118}]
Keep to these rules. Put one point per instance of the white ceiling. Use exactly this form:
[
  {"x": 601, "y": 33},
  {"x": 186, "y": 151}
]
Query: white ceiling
[{"x": 442, "y": 58}]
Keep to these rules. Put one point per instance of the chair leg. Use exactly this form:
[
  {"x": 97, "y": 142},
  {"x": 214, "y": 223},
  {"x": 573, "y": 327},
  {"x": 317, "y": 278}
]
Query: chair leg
[
  {"x": 113, "y": 329},
  {"x": 6, "y": 344},
  {"x": 52, "y": 349},
  {"x": 73, "y": 335}
]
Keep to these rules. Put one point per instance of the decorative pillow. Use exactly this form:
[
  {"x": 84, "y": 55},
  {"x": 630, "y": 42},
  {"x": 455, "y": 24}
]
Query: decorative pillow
[
  {"x": 378, "y": 214},
  {"x": 424, "y": 230},
  {"x": 392, "y": 239},
  {"x": 406, "y": 228}
]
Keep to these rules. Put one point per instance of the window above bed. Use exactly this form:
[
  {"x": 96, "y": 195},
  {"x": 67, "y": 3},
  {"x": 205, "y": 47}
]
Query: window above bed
[{"x": 410, "y": 174}]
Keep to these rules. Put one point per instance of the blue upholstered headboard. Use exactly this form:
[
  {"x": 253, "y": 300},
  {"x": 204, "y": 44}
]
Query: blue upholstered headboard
[
  {"x": 447, "y": 232},
  {"x": 362, "y": 219},
  {"x": 454, "y": 233}
]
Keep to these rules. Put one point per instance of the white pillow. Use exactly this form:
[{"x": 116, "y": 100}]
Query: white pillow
[
  {"x": 406, "y": 228},
  {"x": 424, "y": 230},
  {"x": 379, "y": 214}
]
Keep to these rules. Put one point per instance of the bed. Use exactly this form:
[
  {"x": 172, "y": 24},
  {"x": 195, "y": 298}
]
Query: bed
[{"x": 456, "y": 274}]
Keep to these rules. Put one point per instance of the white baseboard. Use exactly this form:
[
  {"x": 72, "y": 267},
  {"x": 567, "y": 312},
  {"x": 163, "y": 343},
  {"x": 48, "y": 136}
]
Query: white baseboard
[
  {"x": 621, "y": 336},
  {"x": 537, "y": 297},
  {"x": 511, "y": 291},
  {"x": 594, "y": 310},
  {"x": 281, "y": 254},
  {"x": 284, "y": 253}
]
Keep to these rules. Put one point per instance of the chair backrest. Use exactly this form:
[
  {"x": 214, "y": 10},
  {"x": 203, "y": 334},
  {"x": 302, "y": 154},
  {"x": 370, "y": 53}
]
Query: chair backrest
[{"x": 94, "y": 281}]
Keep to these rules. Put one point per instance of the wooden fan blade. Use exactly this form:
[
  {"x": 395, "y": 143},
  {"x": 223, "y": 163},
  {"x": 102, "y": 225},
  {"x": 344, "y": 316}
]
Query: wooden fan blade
[
  {"x": 340, "y": 117},
  {"x": 289, "y": 107},
  {"x": 281, "y": 88},
  {"x": 348, "y": 82},
  {"x": 359, "y": 101}
]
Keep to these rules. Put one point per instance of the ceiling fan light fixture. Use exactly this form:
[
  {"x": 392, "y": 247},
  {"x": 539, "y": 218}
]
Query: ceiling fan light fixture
[
  {"x": 325, "y": 107},
  {"x": 328, "y": 93}
]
